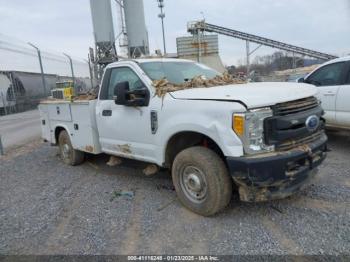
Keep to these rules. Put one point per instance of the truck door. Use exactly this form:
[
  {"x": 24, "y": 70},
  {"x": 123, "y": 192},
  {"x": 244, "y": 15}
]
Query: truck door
[
  {"x": 343, "y": 102},
  {"x": 124, "y": 131},
  {"x": 328, "y": 79}
]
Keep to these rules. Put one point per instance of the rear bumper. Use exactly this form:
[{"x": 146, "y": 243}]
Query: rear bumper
[{"x": 276, "y": 175}]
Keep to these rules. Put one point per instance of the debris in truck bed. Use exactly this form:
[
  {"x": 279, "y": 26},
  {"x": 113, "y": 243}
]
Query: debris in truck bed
[
  {"x": 163, "y": 86},
  {"x": 92, "y": 94},
  {"x": 85, "y": 97}
]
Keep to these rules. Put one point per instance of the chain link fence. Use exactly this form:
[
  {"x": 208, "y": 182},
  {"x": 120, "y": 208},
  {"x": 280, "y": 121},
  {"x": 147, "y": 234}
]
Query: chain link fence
[{"x": 28, "y": 73}]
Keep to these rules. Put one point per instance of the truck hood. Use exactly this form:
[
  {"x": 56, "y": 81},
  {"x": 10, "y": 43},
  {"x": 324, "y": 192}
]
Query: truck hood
[{"x": 253, "y": 95}]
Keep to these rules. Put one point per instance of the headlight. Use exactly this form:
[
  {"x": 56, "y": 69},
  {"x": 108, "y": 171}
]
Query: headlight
[{"x": 249, "y": 127}]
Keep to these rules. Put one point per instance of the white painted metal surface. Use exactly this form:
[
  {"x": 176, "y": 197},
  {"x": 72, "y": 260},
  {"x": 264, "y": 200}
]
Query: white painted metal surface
[
  {"x": 45, "y": 122},
  {"x": 78, "y": 118},
  {"x": 343, "y": 106},
  {"x": 126, "y": 131},
  {"x": 335, "y": 98},
  {"x": 60, "y": 112},
  {"x": 254, "y": 95}
]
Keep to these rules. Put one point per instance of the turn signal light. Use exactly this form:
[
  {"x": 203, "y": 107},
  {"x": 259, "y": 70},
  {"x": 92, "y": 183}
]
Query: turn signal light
[{"x": 238, "y": 124}]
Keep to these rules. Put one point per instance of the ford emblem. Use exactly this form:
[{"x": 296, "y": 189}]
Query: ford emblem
[{"x": 312, "y": 123}]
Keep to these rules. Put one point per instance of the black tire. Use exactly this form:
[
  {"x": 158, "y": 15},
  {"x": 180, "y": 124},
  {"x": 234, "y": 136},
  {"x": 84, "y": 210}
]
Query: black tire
[
  {"x": 68, "y": 154},
  {"x": 201, "y": 181}
]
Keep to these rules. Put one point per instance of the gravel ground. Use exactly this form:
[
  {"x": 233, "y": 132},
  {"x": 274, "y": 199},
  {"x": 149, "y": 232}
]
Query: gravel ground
[{"x": 49, "y": 208}]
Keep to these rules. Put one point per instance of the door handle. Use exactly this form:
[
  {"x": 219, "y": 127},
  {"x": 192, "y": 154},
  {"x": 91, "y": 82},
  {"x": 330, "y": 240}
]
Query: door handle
[
  {"x": 329, "y": 93},
  {"x": 107, "y": 113}
]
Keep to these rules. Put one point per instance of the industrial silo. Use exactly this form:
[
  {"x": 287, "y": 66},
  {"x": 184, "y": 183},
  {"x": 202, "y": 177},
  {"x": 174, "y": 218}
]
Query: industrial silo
[
  {"x": 102, "y": 21},
  {"x": 136, "y": 28}
]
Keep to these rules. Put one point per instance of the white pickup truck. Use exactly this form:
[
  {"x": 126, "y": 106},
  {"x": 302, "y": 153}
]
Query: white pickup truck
[
  {"x": 264, "y": 139},
  {"x": 332, "y": 79}
]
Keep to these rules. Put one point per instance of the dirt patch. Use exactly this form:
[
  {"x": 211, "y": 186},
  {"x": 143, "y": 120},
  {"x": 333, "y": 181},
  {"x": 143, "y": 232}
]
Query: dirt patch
[
  {"x": 89, "y": 149},
  {"x": 124, "y": 148}
]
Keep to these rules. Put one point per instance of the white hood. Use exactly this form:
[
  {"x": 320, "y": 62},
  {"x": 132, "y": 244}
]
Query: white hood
[{"x": 253, "y": 95}]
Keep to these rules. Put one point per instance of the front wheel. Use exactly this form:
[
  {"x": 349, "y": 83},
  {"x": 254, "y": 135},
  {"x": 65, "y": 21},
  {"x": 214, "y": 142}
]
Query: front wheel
[
  {"x": 201, "y": 180},
  {"x": 68, "y": 154}
]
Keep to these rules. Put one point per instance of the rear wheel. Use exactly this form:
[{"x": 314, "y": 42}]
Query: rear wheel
[
  {"x": 68, "y": 154},
  {"x": 201, "y": 181}
]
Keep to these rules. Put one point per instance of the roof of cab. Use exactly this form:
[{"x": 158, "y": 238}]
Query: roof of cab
[
  {"x": 340, "y": 59},
  {"x": 146, "y": 60},
  {"x": 336, "y": 60}
]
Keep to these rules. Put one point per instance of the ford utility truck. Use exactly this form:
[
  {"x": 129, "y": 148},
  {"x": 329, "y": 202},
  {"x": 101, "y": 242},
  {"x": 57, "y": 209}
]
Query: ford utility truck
[{"x": 264, "y": 140}]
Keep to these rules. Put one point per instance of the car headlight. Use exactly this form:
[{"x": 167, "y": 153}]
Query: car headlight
[{"x": 249, "y": 127}]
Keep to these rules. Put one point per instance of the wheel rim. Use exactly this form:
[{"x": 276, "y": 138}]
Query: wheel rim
[
  {"x": 193, "y": 184},
  {"x": 66, "y": 151}
]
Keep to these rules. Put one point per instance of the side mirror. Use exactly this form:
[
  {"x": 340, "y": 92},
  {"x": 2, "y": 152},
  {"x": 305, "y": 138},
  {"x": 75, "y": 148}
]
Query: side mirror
[
  {"x": 301, "y": 80},
  {"x": 120, "y": 93},
  {"x": 138, "y": 97}
]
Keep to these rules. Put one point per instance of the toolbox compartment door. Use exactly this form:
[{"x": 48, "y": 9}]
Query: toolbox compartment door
[
  {"x": 45, "y": 122},
  {"x": 60, "y": 112}
]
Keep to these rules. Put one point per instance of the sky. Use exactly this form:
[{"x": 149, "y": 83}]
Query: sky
[{"x": 65, "y": 25}]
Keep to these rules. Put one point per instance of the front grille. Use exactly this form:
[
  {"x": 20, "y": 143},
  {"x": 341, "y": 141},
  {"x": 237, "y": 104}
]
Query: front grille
[
  {"x": 287, "y": 129},
  {"x": 295, "y": 106},
  {"x": 288, "y": 145}
]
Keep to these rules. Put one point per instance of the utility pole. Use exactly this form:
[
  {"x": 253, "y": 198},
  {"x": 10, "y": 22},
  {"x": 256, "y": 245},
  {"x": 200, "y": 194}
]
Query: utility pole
[
  {"x": 41, "y": 66},
  {"x": 1, "y": 148},
  {"x": 162, "y": 16},
  {"x": 72, "y": 69}
]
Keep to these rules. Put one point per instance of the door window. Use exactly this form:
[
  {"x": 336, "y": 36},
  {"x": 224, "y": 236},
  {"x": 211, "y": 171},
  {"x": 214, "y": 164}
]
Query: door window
[
  {"x": 328, "y": 75},
  {"x": 123, "y": 74}
]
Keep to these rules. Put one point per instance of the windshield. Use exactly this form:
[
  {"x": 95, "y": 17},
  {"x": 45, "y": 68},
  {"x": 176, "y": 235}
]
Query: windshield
[{"x": 177, "y": 72}]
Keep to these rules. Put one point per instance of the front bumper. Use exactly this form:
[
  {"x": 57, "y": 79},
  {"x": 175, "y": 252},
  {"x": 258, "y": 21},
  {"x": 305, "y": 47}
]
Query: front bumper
[{"x": 279, "y": 174}]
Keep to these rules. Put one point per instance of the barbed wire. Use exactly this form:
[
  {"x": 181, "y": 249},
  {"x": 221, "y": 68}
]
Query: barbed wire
[{"x": 55, "y": 62}]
